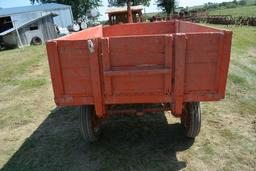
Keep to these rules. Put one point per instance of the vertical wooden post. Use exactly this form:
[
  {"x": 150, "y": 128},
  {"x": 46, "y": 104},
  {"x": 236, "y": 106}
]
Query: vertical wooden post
[
  {"x": 224, "y": 64},
  {"x": 55, "y": 68},
  {"x": 106, "y": 65},
  {"x": 168, "y": 63},
  {"x": 179, "y": 58},
  {"x": 95, "y": 78}
]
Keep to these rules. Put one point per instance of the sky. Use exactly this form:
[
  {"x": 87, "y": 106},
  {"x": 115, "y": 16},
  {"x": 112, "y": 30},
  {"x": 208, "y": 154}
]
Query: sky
[{"x": 151, "y": 8}]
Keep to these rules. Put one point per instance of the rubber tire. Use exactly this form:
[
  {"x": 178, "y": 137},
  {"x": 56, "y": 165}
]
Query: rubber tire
[
  {"x": 192, "y": 112},
  {"x": 36, "y": 41},
  {"x": 88, "y": 132}
]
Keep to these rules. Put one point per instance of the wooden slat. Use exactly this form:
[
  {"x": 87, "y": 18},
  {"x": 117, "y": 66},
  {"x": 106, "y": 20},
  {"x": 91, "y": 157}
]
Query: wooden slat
[
  {"x": 106, "y": 65},
  {"x": 206, "y": 83},
  {"x": 196, "y": 70},
  {"x": 137, "y": 72},
  {"x": 137, "y": 84},
  {"x": 74, "y": 60},
  {"x": 168, "y": 64},
  {"x": 55, "y": 68},
  {"x": 136, "y": 59},
  {"x": 201, "y": 97},
  {"x": 188, "y": 27},
  {"x": 73, "y": 100},
  {"x": 82, "y": 87},
  {"x": 138, "y": 99},
  {"x": 140, "y": 67},
  {"x": 202, "y": 48},
  {"x": 76, "y": 73},
  {"x": 180, "y": 56},
  {"x": 88, "y": 33},
  {"x": 153, "y": 44},
  {"x": 75, "y": 67},
  {"x": 69, "y": 45},
  {"x": 139, "y": 29},
  {"x": 219, "y": 61},
  {"x": 95, "y": 78},
  {"x": 224, "y": 64},
  {"x": 130, "y": 51},
  {"x": 202, "y": 61}
]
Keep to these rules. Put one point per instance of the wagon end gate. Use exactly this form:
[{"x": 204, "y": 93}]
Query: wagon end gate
[{"x": 137, "y": 69}]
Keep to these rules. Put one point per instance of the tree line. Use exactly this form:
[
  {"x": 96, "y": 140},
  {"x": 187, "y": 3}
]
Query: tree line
[
  {"x": 79, "y": 7},
  {"x": 231, "y": 4}
]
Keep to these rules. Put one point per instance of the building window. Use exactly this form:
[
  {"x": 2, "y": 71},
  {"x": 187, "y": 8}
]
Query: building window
[
  {"x": 33, "y": 27},
  {"x": 5, "y": 24}
]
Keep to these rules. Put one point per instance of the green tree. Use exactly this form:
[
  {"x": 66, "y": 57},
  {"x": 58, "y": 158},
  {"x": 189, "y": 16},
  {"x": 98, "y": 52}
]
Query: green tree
[
  {"x": 235, "y": 2},
  {"x": 167, "y": 6},
  {"x": 128, "y": 3},
  {"x": 242, "y": 2},
  {"x": 79, "y": 7}
]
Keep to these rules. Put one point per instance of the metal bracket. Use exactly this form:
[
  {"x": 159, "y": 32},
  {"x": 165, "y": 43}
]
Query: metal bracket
[{"x": 90, "y": 46}]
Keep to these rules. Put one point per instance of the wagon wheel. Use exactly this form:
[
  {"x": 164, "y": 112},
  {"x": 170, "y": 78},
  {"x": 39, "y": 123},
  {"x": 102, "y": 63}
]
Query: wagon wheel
[
  {"x": 36, "y": 41},
  {"x": 89, "y": 124},
  {"x": 191, "y": 119}
]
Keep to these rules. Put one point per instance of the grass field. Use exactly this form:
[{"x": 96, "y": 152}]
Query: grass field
[
  {"x": 34, "y": 136},
  {"x": 246, "y": 11},
  {"x": 250, "y": 2}
]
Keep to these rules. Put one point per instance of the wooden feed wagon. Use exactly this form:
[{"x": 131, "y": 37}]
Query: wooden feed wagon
[{"x": 162, "y": 66}]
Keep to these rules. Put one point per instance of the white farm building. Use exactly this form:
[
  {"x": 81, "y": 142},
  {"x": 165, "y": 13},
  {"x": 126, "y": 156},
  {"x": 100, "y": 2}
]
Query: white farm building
[
  {"x": 24, "y": 14},
  {"x": 34, "y": 21}
]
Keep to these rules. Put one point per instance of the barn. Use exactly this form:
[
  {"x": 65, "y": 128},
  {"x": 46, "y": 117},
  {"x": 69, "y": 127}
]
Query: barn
[
  {"x": 33, "y": 32},
  {"x": 21, "y": 15},
  {"x": 32, "y": 20}
]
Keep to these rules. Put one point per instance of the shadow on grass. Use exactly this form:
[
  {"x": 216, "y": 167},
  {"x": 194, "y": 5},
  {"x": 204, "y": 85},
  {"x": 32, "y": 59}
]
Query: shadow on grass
[{"x": 127, "y": 143}]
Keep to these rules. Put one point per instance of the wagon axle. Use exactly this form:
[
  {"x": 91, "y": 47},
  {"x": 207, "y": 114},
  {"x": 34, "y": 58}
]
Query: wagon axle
[
  {"x": 90, "y": 123},
  {"x": 138, "y": 109}
]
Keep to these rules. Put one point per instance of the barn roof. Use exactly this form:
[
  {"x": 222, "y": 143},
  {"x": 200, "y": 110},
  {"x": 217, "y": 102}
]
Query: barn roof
[
  {"x": 122, "y": 9},
  {"x": 27, "y": 23},
  {"x": 32, "y": 8}
]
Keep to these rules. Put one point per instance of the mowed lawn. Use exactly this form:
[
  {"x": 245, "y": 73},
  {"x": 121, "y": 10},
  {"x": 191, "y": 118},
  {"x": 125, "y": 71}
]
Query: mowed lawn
[{"x": 34, "y": 136}]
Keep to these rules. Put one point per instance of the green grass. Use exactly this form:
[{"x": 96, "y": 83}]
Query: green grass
[
  {"x": 16, "y": 62},
  {"x": 29, "y": 83},
  {"x": 242, "y": 72},
  {"x": 244, "y": 38},
  {"x": 246, "y": 11},
  {"x": 250, "y": 2},
  {"x": 19, "y": 78},
  {"x": 237, "y": 79}
]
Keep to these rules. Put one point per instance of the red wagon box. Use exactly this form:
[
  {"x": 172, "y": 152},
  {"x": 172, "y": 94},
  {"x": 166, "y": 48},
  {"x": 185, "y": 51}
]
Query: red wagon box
[{"x": 174, "y": 65}]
